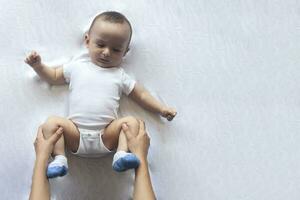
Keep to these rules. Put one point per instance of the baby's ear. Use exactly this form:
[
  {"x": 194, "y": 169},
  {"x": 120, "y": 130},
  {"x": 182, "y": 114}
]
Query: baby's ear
[{"x": 86, "y": 39}]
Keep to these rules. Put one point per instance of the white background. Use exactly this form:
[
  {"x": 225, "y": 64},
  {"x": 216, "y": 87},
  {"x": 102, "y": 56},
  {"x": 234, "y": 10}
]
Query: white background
[{"x": 230, "y": 68}]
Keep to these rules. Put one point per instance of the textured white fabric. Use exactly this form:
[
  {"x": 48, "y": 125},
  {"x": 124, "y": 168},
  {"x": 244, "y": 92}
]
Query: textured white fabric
[
  {"x": 95, "y": 93},
  {"x": 118, "y": 155},
  {"x": 91, "y": 144},
  {"x": 59, "y": 160},
  {"x": 230, "y": 68}
]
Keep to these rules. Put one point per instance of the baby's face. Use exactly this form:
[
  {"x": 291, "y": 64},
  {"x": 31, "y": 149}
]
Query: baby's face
[{"x": 107, "y": 43}]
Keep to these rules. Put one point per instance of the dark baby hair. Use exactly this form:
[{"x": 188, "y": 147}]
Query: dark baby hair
[{"x": 113, "y": 17}]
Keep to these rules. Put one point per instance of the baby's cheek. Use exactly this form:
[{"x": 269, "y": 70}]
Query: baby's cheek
[
  {"x": 118, "y": 61},
  {"x": 95, "y": 55}
]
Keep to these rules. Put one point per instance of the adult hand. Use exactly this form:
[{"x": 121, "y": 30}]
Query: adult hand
[
  {"x": 44, "y": 147},
  {"x": 139, "y": 144},
  {"x": 40, "y": 188}
]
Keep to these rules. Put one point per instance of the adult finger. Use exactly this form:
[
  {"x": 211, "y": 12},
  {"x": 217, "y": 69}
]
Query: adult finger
[
  {"x": 126, "y": 131},
  {"x": 40, "y": 135},
  {"x": 142, "y": 126},
  {"x": 35, "y": 142},
  {"x": 148, "y": 139},
  {"x": 55, "y": 137}
]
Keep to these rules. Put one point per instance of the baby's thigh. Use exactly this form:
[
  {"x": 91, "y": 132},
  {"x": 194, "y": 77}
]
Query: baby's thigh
[
  {"x": 70, "y": 131},
  {"x": 111, "y": 133}
]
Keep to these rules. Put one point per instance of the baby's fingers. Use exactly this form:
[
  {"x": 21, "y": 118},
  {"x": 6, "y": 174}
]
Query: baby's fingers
[
  {"x": 33, "y": 56},
  {"x": 29, "y": 60},
  {"x": 33, "y": 53},
  {"x": 171, "y": 116}
]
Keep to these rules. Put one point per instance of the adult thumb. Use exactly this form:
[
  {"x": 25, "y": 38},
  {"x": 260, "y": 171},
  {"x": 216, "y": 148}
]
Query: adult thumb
[
  {"x": 40, "y": 134},
  {"x": 55, "y": 137},
  {"x": 125, "y": 129}
]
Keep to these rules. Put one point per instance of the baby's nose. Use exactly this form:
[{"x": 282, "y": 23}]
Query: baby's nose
[{"x": 106, "y": 52}]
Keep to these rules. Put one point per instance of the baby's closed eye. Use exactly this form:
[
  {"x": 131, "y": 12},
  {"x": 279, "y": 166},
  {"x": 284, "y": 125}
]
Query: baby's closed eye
[
  {"x": 117, "y": 50},
  {"x": 100, "y": 45}
]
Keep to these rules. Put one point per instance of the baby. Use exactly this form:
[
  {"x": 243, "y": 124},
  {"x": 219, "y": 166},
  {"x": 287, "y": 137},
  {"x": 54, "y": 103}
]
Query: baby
[{"x": 96, "y": 83}]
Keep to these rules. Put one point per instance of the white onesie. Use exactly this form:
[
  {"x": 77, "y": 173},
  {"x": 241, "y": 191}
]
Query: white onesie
[{"x": 94, "y": 98}]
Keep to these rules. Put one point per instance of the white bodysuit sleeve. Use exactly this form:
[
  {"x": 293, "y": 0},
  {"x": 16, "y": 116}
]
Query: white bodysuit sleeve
[
  {"x": 67, "y": 69},
  {"x": 128, "y": 83}
]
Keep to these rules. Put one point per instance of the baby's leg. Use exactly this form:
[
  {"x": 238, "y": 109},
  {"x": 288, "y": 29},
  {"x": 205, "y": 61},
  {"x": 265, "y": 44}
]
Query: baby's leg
[
  {"x": 114, "y": 137},
  {"x": 70, "y": 137}
]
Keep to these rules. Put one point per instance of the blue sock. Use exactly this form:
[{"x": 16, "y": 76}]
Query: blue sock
[
  {"x": 123, "y": 161},
  {"x": 58, "y": 167}
]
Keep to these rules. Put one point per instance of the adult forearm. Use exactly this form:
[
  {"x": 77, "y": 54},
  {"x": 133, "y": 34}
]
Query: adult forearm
[
  {"x": 143, "y": 187},
  {"x": 40, "y": 183}
]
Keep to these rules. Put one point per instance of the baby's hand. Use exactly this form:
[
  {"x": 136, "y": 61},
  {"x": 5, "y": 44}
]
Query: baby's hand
[
  {"x": 168, "y": 113},
  {"x": 34, "y": 60}
]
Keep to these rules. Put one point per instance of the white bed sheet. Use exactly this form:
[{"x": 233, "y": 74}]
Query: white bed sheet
[{"x": 231, "y": 68}]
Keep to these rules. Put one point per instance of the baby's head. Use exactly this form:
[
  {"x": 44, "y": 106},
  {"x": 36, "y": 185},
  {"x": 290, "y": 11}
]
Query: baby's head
[{"x": 108, "y": 39}]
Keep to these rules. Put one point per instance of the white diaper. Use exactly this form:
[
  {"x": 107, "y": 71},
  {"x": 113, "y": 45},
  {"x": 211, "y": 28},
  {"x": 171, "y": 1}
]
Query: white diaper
[{"x": 91, "y": 144}]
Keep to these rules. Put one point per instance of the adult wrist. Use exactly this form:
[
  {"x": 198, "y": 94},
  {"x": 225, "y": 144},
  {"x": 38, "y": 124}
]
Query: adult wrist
[
  {"x": 42, "y": 158},
  {"x": 142, "y": 158},
  {"x": 144, "y": 162},
  {"x": 143, "y": 165}
]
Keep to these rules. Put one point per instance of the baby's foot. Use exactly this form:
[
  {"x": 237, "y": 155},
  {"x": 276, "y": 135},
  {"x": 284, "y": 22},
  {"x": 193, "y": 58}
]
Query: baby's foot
[
  {"x": 123, "y": 161},
  {"x": 58, "y": 167}
]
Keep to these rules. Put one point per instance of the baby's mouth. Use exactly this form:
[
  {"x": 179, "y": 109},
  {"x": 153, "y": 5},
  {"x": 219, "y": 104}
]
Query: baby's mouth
[{"x": 103, "y": 60}]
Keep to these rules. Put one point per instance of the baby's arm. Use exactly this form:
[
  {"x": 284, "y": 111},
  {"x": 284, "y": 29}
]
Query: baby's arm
[
  {"x": 145, "y": 99},
  {"x": 53, "y": 75}
]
